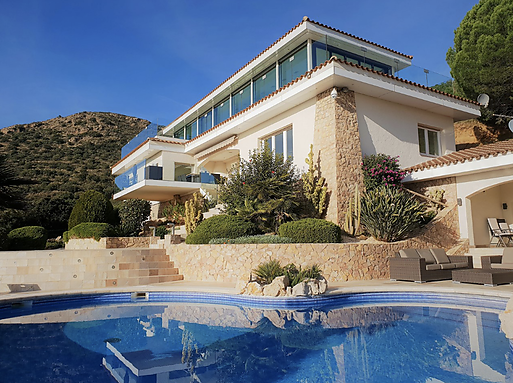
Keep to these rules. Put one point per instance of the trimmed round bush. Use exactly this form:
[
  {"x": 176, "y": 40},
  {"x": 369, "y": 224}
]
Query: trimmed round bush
[
  {"x": 28, "y": 238},
  {"x": 252, "y": 239},
  {"x": 311, "y": 230},
  {"x": 90, "y": 230},
  {"x": 221, "y": 226},
  {"x": 92, "y": 206}
]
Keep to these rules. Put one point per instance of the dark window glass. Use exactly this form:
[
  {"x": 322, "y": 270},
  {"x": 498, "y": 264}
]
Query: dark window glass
[
  {"x": 293, "y": 67},
  {"x": 290, "y": 144},
  {"x": 264, "y": 85},
  {"x": 179, "y": 133},
  {"x": 222, "y": 112},
  {"x": 205, "y": 122},
  {"x": 241, "y": 99}
]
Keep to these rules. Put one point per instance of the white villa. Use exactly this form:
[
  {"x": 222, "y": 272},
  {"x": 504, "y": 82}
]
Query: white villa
[{"x": 343, "y": 94}]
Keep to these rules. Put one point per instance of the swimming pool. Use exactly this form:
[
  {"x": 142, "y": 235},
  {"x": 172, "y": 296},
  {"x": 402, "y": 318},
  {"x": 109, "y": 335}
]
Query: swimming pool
[{"x": 179, "y": 337}]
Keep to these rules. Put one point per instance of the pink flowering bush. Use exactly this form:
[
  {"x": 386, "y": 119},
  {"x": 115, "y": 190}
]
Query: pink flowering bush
[{"x": 381, "y": 169}]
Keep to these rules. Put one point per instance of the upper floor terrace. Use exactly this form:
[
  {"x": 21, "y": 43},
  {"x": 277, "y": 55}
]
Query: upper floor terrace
[{"x": 308, "y": 59}]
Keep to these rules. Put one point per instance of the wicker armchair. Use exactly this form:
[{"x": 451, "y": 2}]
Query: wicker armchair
[{"x": 426, "y": 265}]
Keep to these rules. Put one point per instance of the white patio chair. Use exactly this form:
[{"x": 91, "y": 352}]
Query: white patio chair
[{"x": 498, "y": 232}]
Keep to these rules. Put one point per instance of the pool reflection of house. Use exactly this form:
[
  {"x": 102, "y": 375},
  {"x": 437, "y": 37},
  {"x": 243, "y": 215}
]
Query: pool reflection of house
[
  {"x": 347, "y": 96},
  {"x": 344, "y": 341}
]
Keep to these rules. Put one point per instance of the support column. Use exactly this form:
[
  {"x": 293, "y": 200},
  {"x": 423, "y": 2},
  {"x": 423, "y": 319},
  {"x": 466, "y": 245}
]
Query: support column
[{"x": 337, "y": 149}]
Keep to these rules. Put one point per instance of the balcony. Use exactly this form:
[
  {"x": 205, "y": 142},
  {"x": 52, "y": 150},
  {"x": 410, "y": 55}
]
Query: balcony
[
  {"x": 425, "y": 77},
  {"x": 150, "y": 131},
  {"x": 146, "y": 182}
]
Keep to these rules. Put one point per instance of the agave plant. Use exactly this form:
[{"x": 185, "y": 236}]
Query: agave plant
[
  {"x": 267, "y": 271},
  {"x": 390, "y": 214}
]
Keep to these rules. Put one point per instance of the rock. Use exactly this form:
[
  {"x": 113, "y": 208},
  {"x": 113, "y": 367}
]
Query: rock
[
  {"x": 278, "y": 287},
  {"x": 323, "y": 284},
  {"x": 300, "y": 290},
  {"x": 289, "y": 291},
  {"x": 302, "y": 317},
  {"x": 254, "y": 288},
  {"x": 275, "y": 317},
  {"x": 313, "y": 287}
]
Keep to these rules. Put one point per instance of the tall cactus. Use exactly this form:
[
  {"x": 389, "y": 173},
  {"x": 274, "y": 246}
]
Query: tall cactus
[
  {"x": 353, "y": 214},
  {"x": 313, "y": 186},
  {"x": 193, "y": 212}
]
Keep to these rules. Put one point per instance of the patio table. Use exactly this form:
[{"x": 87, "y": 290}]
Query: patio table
[{"x": 487, "y": 277}]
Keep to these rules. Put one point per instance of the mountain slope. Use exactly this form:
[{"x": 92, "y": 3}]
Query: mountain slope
[{"x": 66, "y": 155}]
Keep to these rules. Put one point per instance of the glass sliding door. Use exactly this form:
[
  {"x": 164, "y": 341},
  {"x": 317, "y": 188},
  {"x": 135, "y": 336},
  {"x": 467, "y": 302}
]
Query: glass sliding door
[
  {"x": 205, "y": 122},
  {"x": 241, "y": 99},
  {"x": 293, "y": 66},
  {"x": 264, "y": 85},
  {"x": 222, "y": 111}
]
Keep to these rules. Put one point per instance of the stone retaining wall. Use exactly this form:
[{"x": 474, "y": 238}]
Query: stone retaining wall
[
  {"x": 234, "y": 263},
  {"x": 113, "y": 243}
]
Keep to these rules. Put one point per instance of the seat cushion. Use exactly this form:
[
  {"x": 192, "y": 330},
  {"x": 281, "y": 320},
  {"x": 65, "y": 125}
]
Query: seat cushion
[
  {"x": 427, "y": 255},
  {"x": 502, "y": 266},
  {"x": 459, "y": 265},
  {"x": 433, "y": 266},
  {"x": 409, "y": 253},
  {"x": 440, "y": 256},
  {"x": 507, "y": 256},
  {"x": 448, "y": 266}
]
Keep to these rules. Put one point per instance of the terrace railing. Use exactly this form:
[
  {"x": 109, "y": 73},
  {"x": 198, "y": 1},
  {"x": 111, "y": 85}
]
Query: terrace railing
[
  {"x": 148, "y": 132},
  {"x": 425, "y": 77}
]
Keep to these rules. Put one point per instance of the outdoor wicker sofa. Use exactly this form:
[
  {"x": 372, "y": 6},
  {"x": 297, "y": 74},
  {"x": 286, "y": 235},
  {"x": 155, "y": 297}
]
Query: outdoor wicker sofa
[
  {"x": 424, "y": 265},
  {"x": 504, "y": 261}
]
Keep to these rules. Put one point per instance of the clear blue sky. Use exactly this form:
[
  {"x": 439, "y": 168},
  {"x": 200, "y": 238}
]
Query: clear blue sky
[{"x": 154, "y": 59}]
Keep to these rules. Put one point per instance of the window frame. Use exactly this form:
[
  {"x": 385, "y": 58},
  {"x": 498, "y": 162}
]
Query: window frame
[
  {"x": 285, "y": 143},
  {"x": 427, "y": 129}
]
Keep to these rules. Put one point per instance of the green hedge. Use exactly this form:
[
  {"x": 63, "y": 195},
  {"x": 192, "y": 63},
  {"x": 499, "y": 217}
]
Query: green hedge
[
  {"x": 92, "y": 206},
  {"x": 221, "y": 226},
  {"x": 28, "y": 238},
  {"x": 252, "y": 239},
  {"x": 90, "y": 230},
  {"x": 311, "y": 230}
]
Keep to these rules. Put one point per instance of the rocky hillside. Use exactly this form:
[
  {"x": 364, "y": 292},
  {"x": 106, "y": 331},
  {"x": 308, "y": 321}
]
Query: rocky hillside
[
  {"x": 471, "y": 133},
  {"x": 66, "y": 156}
]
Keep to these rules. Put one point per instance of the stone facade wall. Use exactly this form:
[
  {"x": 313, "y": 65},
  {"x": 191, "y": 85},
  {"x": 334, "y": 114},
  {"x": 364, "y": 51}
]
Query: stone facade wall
[
  {"x": 337, "y": 149},
  {"x": 448, "y": 184}
]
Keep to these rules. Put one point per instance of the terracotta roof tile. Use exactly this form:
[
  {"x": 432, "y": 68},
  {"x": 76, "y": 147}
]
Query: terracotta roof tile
[
  {"x": 308, "y": 75},
  {"x": 477, "y": 153}
]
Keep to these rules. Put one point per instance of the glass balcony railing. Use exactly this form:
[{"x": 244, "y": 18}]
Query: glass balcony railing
[
  {"x": 142, "y": 172},
  {"x": 425, "y": 77},
  {"x": 150, "y": 131}
]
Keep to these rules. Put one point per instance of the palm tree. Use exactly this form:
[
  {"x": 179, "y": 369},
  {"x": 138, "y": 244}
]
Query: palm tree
[{"x": 11, "y": 197}]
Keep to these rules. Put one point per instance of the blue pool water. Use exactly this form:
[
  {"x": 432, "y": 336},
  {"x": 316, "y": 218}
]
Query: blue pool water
[{"x": 163, "y": 337}]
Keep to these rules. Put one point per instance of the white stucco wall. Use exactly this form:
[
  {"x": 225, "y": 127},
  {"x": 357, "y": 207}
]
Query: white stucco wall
[
  {"x": 390, "y": 128},
  {"x": 482, "y": 195},
  {"x": 301, "y": 118}
]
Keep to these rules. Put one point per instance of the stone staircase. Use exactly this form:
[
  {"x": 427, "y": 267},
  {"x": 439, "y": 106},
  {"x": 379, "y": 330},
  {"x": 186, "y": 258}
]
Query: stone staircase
[{"x": 60, "y": 270}]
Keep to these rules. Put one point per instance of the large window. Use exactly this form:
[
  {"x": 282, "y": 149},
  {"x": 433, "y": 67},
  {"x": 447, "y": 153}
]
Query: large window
[
  {"x": 429, "y": 141},
  {"x": 191, "y": 130},
  {"x": 264, "y": 85},
  {"x": 281, "y": 143},
  {"x": 222, "y": 111},
  {"x": 322, "y": 52},
  {"x": 293, "y": 66},
  {"x": 179, "y": 133},
  {"x": 241, "y": 99},
  {"x": 205, "y": 122}
]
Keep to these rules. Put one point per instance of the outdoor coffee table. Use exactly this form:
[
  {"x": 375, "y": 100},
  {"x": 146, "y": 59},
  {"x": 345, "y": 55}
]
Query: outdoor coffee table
[{"x": 487, "y": 277}]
